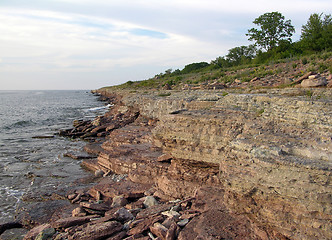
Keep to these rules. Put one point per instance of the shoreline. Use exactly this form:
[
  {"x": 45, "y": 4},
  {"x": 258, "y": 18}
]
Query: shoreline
[{"x": 207, "y": 168}]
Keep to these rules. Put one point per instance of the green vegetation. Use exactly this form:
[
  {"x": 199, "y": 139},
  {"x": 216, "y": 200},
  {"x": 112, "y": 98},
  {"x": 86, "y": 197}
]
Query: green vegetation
[
  {"x": 274, "y": 31},
  {"x": 273, "y": 53}
]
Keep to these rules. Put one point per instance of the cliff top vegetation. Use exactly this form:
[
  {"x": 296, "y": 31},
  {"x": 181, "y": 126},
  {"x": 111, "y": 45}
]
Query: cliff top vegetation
[{"x": 272, "y": 61}]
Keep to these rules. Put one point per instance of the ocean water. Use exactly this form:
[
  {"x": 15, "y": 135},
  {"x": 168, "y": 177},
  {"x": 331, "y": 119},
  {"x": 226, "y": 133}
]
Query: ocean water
[{"x": 25, "y": 114}]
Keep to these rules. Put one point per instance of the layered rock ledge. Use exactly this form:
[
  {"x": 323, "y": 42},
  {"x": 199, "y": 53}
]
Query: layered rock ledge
[
  {"x": 204, "y": 164},
  {"x": 268, "y": 153}
]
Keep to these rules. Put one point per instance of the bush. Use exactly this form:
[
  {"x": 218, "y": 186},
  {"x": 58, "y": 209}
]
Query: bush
[
  {"x": 194, "y": 67},
  {"x": 304, "y": 61}
]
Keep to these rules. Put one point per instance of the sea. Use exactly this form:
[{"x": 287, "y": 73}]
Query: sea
[{"x": 29, "y": 164}]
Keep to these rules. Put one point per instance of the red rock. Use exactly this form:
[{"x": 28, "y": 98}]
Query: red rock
[
  {"x": 138, "y": 227},
  {"x": 159, "y": 230},
  {"x": 157, "y": 209},
  {"x": 32, "y": 234},
  {"x": 118, "y": 236},
  {"x": 78, "y": 212},
  {"x": 172, "y": 232},
  {"x": 97, "y": 231},
  {"x": 164, "y": 158},
  {"x": 97, "y": 207},
  {"x": 72, "y": 221}
]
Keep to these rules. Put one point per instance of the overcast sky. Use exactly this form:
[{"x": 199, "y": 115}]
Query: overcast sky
[{"x": 88, "y": 44}]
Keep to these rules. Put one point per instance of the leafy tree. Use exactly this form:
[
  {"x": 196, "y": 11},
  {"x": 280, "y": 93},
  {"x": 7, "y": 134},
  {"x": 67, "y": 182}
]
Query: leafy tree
[
  {"x": 194, "y": 67},
  {"x": 221, "y": 62},
  {"x": 241, "y": 54},
  {"x": 273, "y": 29},
  {"x": 316, "y": 34}
]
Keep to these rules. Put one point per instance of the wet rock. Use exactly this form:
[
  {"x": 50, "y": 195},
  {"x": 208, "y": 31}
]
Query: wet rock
[
  {"x": 97, "y": 231},
  {"x": 44, "y": 137},
  {"x": 150, "y": 201},
  {"x": 46, "y": 234},
  {"x": 32, "y": 234},
  {"x": 77, "y": 155}
]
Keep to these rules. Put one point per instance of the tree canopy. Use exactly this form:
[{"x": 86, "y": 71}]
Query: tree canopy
[
  {"x": 273, "y": 30},
  {"x": 316, "y": 34}
]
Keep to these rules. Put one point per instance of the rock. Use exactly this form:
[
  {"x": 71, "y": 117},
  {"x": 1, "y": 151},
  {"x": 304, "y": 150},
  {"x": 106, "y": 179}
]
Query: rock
[
  {"x": 183, "y": 222},
  {"x": 97, "y": 231},
  {"x": 171, "y": 214},
  {"x": 119, "y": 201},
  {"x": 123, "y": 215},
  {"x": 172, "y": 232},
  {"x": 159, "y": 230},
  {"x": 46, "y": 234},
  {"x": 153, "y": 210},
  {"x": 43, "y": 137},
  {"x": 164, "y": 158},
  {"x": 150, "y": 201},
  {"x": 139, "y": 226},
  {"x": 72, "y": 221},
  {"x": 78, "y": 212},
  {"x": 255, "y": 79},
  {"x": 32, "y": 234},
  {"x": 314, "y": 82},
  {"x": 118, "y": 236},
  {"x": 71, "y": 196},
  {"x": 77, "y": 155},
  {"x": 94, "y": 206},
  {"x": 99, "y": 173},
  {"x": 314, "y": 76}
]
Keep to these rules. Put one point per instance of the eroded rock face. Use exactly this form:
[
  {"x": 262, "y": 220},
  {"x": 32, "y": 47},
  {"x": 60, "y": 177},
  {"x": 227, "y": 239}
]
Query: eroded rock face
[
  {"x": 271, "y": 154},
  {"x": 249, "y": 166}
]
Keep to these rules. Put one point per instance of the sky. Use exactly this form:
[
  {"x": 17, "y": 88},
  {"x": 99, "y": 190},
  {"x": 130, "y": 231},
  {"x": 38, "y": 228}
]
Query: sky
[{"x": 88, "y": 44}]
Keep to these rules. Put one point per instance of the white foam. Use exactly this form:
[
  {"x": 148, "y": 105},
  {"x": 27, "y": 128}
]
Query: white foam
[{"x": 99, "y": 108}]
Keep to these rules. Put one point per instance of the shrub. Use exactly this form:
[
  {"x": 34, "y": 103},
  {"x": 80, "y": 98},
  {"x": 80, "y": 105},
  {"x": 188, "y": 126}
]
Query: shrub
[{"x": 304, "y": 61}]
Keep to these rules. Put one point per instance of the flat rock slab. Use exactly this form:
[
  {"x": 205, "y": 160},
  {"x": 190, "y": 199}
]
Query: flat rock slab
[
  {"x": 98, "y": 231},
  {"x": 72, "y": 221},
  {"x": 108, "y": 188}
]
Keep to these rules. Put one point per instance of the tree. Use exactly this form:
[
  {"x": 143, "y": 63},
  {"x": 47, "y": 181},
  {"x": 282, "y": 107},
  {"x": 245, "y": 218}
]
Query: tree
[
  {"x": 273, "y": 30},
  {"x": 316, "y": 34},
  {"x": 241, "y": 54}
]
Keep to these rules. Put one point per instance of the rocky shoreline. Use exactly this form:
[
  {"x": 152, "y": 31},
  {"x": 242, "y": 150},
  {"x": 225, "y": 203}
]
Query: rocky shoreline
[{"x": 204, "y": 164}]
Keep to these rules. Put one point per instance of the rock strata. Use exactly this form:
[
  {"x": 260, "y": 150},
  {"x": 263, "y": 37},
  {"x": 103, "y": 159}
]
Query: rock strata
[{"x": 207, "y": 165}]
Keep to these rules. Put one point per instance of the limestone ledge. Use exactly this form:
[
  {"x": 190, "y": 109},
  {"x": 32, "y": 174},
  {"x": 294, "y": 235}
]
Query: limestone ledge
[{"x": 273, "y": 149}]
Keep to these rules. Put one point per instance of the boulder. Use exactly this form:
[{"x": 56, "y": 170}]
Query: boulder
[{"x": 314, "y": 82}]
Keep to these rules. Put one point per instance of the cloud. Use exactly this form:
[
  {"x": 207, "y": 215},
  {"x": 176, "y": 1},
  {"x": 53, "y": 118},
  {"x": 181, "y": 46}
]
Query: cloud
[{"x": 126, "y": 39}]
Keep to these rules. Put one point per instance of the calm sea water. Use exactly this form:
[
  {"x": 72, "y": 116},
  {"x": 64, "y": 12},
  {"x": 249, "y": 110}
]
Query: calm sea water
[{"x": 25, "y": 114}]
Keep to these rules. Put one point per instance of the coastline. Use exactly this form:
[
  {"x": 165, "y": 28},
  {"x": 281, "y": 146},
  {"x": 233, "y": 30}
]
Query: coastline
[{"x": 206, "y": 167}]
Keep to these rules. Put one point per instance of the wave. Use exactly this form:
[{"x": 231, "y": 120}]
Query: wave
[
  {"x": 98, "y": 108},
  {"x": 20, "y": 124}
]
